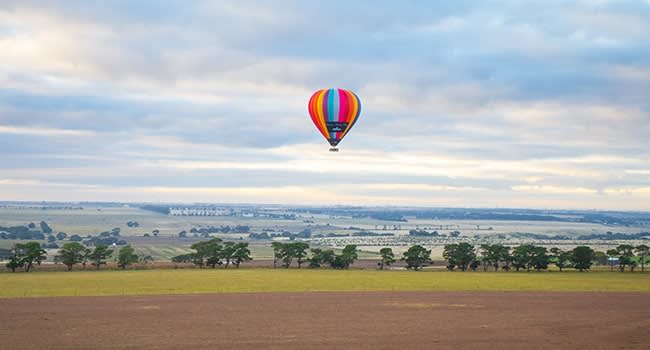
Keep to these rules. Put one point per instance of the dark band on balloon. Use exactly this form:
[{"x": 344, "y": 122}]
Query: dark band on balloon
[{"x": 336, "y": 126}]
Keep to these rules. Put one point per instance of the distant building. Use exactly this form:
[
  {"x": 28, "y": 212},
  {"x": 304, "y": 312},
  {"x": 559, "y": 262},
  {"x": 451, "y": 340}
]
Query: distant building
[{"x": 198, "y": 212}]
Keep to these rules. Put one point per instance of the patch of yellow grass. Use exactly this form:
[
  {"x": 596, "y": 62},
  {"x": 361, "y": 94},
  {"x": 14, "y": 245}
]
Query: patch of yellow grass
[{"x": 149, "y": 282}]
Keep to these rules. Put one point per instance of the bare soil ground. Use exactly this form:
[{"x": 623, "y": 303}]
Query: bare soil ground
[{"x": 368, "y": 320}]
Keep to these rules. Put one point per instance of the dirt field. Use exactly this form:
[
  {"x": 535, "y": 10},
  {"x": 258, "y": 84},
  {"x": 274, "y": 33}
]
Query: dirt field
[{"x": 369, "y": 320}]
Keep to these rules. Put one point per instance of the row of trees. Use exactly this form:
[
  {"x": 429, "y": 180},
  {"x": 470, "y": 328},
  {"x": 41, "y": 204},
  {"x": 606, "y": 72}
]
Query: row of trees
[
  {"x": 75, "y": 253},
  {"x": 26, "y": 255},
  {"x": 29, "y": 231},
  {"x": 465, "y": 256},
  {"x": 625, "y": 253},
  {"x": 216, "y": 252},
  {"x": 285, "y": 253},
  {"x": 462, "y": 256}
]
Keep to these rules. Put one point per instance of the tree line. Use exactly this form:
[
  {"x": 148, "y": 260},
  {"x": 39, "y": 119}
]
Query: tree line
[
  {"x": 26, "y": 232},
  {"x": 465, "y": 256},
  {"x": 44, "y": 232},
  {"x": 458, "y": 256},
  {"x": 26, "y": 255},
  {"x": 216, "y": 252},
  {"x": 284, "y": 254}
]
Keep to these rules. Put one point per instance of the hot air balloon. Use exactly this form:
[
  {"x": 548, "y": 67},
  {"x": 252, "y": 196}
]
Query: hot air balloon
[{"x": 334, "y": 112}]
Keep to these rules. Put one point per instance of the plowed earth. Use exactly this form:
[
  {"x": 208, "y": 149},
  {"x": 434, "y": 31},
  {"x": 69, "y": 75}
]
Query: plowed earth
[{"x": 350, "y": 320}]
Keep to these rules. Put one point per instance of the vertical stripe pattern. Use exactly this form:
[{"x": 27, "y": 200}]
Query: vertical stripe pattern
[{"x": 334, "y": 112}]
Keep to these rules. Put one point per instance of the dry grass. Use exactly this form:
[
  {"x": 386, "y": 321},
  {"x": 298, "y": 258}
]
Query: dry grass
[{"x": 150, "y": 282}]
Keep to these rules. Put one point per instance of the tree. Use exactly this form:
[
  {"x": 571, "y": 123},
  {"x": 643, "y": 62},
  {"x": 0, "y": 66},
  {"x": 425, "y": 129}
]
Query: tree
[
  {"x": 208, "y": 253},
  {"x": 525, "y": 256},
  {"x": 45, "y": 228},
  {"x": 582, "y": 257},
  {"x": 227, "y": 252},
  {"x": 99, "y": 255},
  {"x": 84, "y": 258},
  {"x": 286, "y": 255},
  {"x": 183, "y": 258},
  {"x": 30, "y": 253},
  {"x": 15, "y": 261},
  {"x": 241, "y": 229},
  {"x": 61, "y": 236},
  {"x": 459, "y": 254},
  {"x": 126, "y": 256},
  {"x": 643, "y": 251},
  {"x": 306, "y": 233},
  {"x": 319, "y": 257},
  {"x": 600, "y": 258},
  {"x": 387, "y": 257},
  {"x": 612, "y": 253},
  {"x": 486, "y": 255},
  {"x": 241, "y": 253},
  {"x": 540, "y": 258},
  {"x": 277, "y": 253},
  {"x": 625, "y": 255},
  {"x": 349, "y": 255},
  {"x": 286, "y": 252},
  {"x": 338, "y": 262},
  {"x": 76, "y": 238},
  {"x": 299, "y": 251},
  {"x": 493, "y": 254},
  {"x": 474, "y": 265},
  {"x": 501, "y": 254},
  {"x": 416, "y": 257},
  {"x": 561, "y": 258},
  {"x": 72, "y": 253}
]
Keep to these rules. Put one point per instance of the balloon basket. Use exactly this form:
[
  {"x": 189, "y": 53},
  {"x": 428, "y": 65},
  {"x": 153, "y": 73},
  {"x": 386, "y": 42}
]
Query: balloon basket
[{"x": 334, "y": 149}]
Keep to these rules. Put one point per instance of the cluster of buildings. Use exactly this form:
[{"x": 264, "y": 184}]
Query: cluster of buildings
[{"x": 213, "y": 211}]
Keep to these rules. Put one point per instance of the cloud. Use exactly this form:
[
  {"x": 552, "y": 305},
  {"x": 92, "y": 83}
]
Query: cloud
[
  {"x": 43, "y": 131},
  {"x": 489, "y": 103},
  {"x": 554, "y": 189}
]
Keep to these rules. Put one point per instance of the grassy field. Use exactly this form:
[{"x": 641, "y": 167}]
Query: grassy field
[
  {"x": 94, "y": 219},
  {"x": 151, "y": 282}
]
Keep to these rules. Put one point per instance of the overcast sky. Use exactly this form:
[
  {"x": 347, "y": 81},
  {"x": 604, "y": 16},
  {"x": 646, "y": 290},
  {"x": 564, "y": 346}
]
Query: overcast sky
[{"x": 540, "y": 104}]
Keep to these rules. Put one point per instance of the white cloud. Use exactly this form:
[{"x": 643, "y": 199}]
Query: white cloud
[
  {"x": 485, "y": 104},
  {"x": 52, "y": 132},
  {"x": 554, "y": 189}
]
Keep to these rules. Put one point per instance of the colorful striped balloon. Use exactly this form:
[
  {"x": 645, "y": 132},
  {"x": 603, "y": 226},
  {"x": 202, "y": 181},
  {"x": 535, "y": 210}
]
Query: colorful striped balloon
[{"x": 334, "y": 112}]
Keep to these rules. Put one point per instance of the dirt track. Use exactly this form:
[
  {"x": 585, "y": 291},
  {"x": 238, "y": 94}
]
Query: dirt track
[{"x": 382, "y": 320}]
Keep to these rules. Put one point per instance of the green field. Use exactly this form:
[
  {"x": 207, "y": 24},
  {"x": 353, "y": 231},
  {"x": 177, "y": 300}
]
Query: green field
[
  {"x": 88, "y": 283},
  {"x": 97, "y": 218}
]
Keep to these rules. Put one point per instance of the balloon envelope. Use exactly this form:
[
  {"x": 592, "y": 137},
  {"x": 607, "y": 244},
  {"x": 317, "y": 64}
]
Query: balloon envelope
[{"x": 334, "y": 112}]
